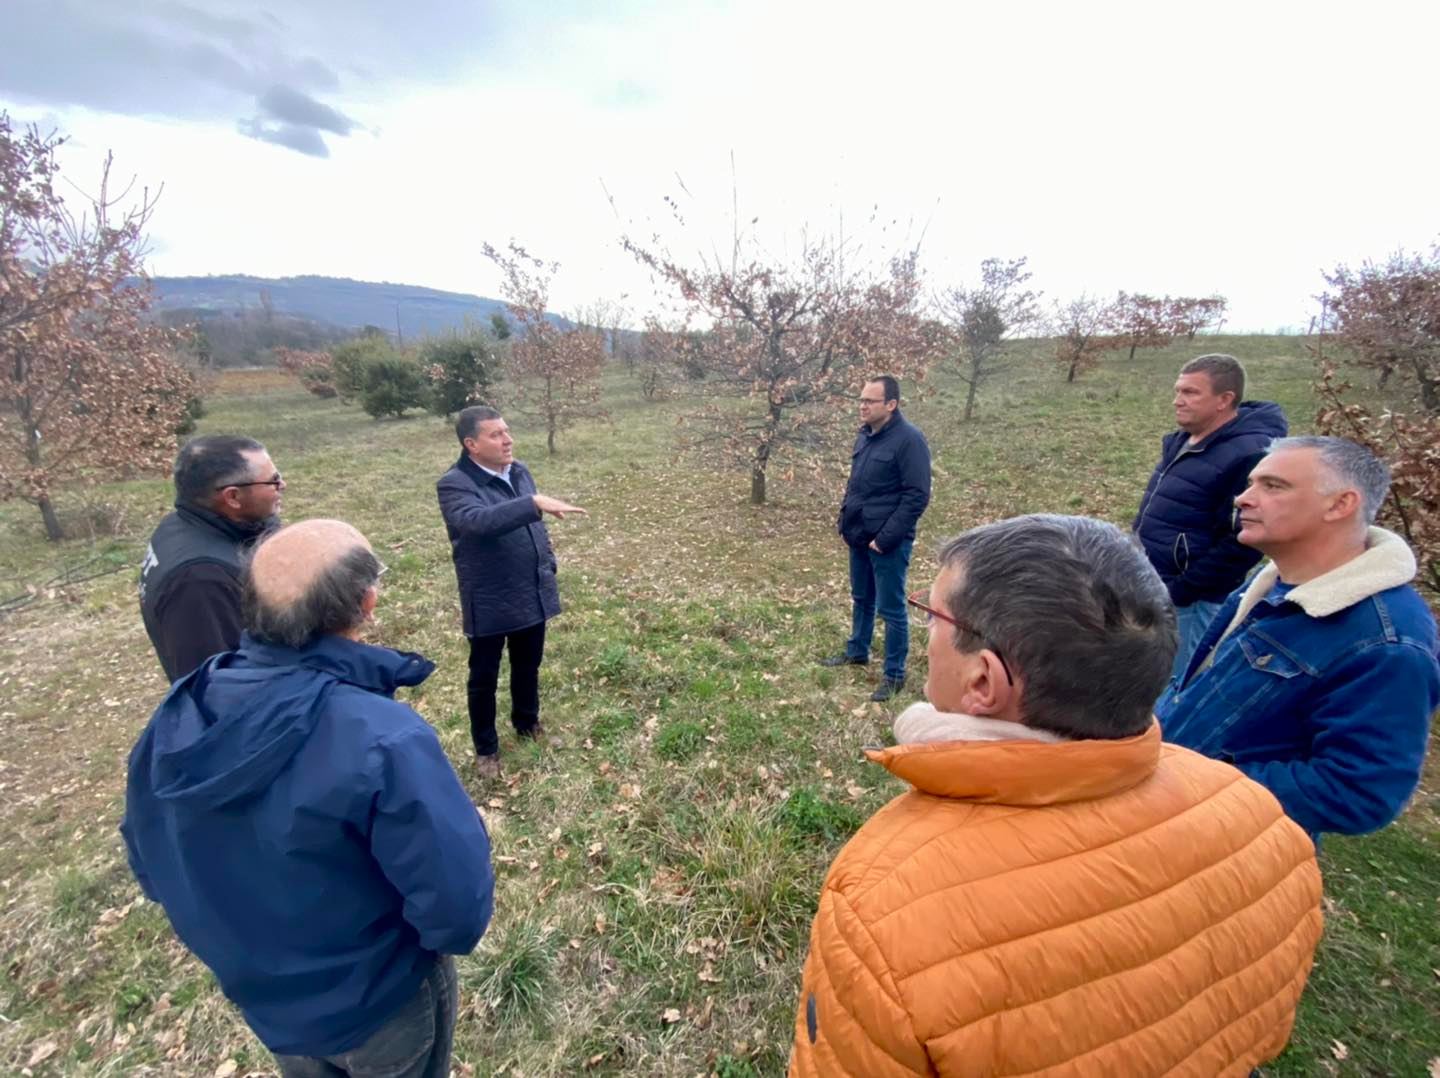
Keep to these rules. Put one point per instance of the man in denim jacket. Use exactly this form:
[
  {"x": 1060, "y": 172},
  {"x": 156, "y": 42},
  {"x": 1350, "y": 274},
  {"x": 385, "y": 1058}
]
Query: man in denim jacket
[{"x": 1318, "y": 678}]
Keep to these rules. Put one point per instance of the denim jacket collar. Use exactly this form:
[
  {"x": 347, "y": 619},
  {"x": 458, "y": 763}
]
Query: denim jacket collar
[{"x": 1386, "y": 563}]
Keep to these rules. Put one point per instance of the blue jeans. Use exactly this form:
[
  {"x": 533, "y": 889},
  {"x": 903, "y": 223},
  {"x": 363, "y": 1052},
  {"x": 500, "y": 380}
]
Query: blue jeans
[
  {"x": 1194, "y": 619},
  {"x": 414, "y": 1043},
  {"x": 877, "y": 583}
]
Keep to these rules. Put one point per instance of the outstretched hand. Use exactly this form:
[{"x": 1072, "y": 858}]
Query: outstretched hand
[{"x": 555, "y": 507}]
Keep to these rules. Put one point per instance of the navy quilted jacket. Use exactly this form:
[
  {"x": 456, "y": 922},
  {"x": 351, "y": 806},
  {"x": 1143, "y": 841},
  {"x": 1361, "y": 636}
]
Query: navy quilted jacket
[
  {"x": 1186, "y": 518},
  {"x": 503, "y": 560}
]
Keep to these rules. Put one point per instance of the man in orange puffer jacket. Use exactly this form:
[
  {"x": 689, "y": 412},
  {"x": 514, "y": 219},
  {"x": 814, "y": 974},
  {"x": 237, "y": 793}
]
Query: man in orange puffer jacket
[{"x": 1059, "y": 893}]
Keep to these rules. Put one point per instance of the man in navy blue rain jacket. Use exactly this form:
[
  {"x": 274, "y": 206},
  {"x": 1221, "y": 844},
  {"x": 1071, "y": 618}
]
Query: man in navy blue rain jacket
[
  {"x": 1186, "y": 517},
  {"x": 506, "y": 571},
  {"x": 889, "y": 488},
  {"x": 304, "y": 831}
]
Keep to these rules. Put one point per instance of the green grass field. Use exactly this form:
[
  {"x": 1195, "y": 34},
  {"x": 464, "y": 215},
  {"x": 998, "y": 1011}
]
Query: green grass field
[{"x": 658, "y": 867}]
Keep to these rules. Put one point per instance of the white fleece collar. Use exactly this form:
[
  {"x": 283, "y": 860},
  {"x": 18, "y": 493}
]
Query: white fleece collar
[
  {"x": 921, "y": 723},
  {"x": 1387, "y": 562}
]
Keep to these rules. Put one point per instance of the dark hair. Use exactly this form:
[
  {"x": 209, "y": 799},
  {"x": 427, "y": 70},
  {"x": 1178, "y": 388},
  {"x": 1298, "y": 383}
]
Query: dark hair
[
  {"x": 889, "y": 383},
  {"x": 209, "y": 462},
  {"x": 331, "y": 604},
  {"x": 1226, "y": 374},
  {"x": 1350, "y": 465},
  {"x": 1078, "y": 612},
  {"x": 469, "y": 420}
]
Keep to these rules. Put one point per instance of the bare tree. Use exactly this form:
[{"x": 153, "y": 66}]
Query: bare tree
[
  {"x": 980, "y": 320},
  {"x": 554, "y": 373},
  {"x": 793, "y": 342},
  {"x": 1388, "y": 316},
  {"x": 1083, "y": 329},
  {"x": 1141, "y": 321},
  {"x": 87, "y": 388}
]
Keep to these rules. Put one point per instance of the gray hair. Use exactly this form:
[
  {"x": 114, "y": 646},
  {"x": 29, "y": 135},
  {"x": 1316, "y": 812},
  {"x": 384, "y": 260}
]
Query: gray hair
[
  {"x": 1226, "y": 374},
  {"x": 1079, "y": 613},
  {"x": 209, "y": 462},
  {"x": 1350, "y": 466},
  {"x": 331, "y": 604}
]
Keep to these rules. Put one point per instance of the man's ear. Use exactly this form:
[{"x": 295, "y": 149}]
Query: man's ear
[
  {"x": 989, "y": 692},
  {"x": 368, "y": 601},
  {"x": 1346, "y": 504}
]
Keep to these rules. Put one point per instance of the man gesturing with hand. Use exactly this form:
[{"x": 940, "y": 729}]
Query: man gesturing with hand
[{"x": 506, "y": 571}]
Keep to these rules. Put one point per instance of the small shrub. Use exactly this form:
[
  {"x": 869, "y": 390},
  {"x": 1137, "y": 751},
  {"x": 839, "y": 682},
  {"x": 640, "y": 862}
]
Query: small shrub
[
  {"x": 461, "y": 370},
  {"x": 391, "y": 386}
]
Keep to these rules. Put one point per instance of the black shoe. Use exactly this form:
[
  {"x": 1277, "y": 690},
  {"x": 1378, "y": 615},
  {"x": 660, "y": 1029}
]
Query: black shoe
[
  {"x": 888, "y": 688},
  {"x": 844, "y": 660},
  {"x": 534, "y": 733}
]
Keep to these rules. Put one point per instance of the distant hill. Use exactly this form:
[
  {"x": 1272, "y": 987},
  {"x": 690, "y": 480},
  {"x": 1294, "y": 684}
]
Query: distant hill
[{"x": 334, "y": 301}]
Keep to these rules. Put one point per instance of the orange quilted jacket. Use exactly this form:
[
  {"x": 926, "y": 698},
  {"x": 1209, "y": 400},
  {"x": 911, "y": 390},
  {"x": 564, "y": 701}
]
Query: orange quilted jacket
[{"x": 1081, "y": 908}]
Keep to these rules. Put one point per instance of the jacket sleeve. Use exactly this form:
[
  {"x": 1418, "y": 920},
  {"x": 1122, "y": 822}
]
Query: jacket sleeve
[
  {"x": 199, "y": 616},
  {"x": 851, "y": 1020},
  {"x": 1371, "y": 720},
  {"x": 431, "y": 844},
  {"x": 914, "y": 494},
  {"x": 1227, "y": 560},
  {"x": 468, "y": 514}
]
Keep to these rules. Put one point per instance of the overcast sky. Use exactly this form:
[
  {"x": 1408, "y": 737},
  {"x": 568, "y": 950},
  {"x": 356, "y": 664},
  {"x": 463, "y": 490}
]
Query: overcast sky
[{"x": 1183, "y": 149}]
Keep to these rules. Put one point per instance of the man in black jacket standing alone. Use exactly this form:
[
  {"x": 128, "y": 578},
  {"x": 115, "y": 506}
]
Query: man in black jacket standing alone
[
  {"x": 889, "y": 488},
  {"x": 506, "y": 571},
  {"x": 1186, "y": 518},
  {"x": 227, "y": 494}
]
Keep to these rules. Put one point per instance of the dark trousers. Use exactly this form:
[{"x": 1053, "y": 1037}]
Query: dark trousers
[
  {"x": 527, "y": 649},
  {"x": 415, "y": 1043}
]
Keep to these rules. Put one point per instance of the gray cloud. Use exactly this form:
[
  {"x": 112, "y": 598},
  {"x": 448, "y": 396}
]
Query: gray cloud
[
  {"x": 220, "y": 60},
  {"x": 304, "y": 140},
  {"x": 297, "y": 109}
]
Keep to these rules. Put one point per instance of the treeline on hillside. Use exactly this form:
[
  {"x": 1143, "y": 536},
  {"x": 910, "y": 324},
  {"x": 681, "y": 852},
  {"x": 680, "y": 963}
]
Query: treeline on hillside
[{"x": 217, "y": 339}]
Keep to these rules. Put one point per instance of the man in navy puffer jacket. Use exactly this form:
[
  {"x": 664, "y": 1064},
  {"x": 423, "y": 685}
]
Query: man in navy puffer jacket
[
  {"x": 1186, "y": 517},
  {"x": 304, "y": 831}
]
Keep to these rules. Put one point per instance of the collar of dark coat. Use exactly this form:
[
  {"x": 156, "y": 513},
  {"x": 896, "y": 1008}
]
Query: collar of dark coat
[
  {"x": 896, "y": 422},
  {"x": 236, "y": 530},
  {"x": 368, "y": 666},
  {"x": 480, "y": 477}
]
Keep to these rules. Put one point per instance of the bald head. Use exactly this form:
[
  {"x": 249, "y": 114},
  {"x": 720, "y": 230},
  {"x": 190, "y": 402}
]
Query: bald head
[{"x": 309, "y": 580}]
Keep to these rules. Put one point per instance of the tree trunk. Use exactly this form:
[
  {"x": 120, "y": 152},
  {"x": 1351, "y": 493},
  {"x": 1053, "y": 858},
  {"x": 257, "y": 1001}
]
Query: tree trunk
[
  {"x": 970, "y": 401},
  {"x": 1074, "y": 362},
  {"x": 550, "y": 437},
  {"x": 757, "y": 483},
  {"x": 1132, "y": 349},
  {"x": 53, "y": 531}
]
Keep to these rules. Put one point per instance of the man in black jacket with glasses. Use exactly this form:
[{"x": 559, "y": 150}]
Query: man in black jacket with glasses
[{"x": 227, "y": 495}]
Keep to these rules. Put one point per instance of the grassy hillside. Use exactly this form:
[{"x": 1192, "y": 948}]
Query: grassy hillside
[{"x": 659, "y": 862}]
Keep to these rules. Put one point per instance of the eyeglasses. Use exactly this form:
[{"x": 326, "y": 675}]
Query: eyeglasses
[
  {"x": 872, "y": 400},
  {"x": 277, "y": 482},
  {"x": 383, "y": 569},
  {"x": 923, "y": 614}
]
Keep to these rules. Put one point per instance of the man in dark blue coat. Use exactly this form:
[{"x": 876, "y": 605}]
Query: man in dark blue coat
[
  {"x": 1186, "y": 518},
  {"x": 506, "y": 571},
  {"x": 889, "y": 488},
  {"x": 304, "y": 831}
]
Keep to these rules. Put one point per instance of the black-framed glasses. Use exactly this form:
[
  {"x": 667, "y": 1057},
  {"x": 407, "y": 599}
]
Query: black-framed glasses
[
  {"x": 924, "y": 614},
  {"x": 277, "y": 482}
]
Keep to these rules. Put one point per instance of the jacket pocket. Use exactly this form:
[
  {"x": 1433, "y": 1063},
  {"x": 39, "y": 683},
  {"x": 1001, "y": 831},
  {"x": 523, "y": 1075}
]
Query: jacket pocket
[{"x": 1265, "y": 671}]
